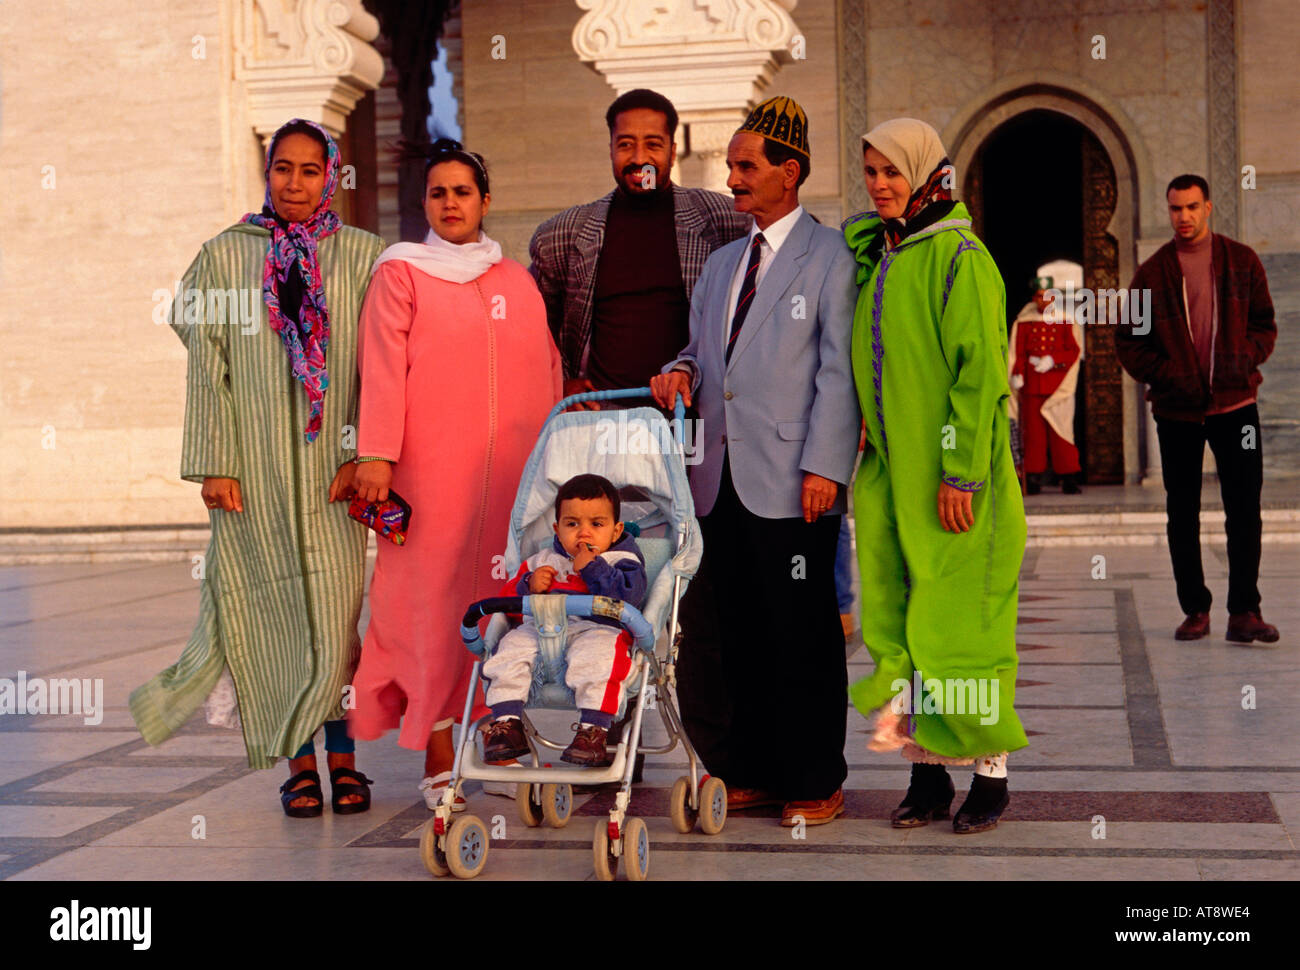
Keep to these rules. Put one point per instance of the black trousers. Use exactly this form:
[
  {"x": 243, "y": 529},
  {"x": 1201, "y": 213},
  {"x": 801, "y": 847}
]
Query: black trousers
[
  {"x": 1235, "y": 440},
  {"x": 762, "y": 679}
]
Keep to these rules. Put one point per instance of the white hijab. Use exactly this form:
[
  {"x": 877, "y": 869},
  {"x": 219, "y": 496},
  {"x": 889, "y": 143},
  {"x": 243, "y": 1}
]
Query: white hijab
[
  {"x": 911, "y": 145},
  {"x": 444, "y": 260}
]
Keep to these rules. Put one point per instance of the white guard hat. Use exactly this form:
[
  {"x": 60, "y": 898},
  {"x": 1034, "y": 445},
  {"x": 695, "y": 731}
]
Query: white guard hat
[{"x": 1062, "y": 272}]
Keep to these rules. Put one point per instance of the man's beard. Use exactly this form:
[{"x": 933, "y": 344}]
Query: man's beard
[{"x": 638, "y": 174}]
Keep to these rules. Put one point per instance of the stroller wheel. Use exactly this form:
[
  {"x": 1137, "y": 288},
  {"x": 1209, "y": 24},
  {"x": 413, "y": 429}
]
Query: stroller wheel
[
  {"x": 679, "y": 806},
  {"x": 530, "y": 812},
  {"x": 467, "y": 845},
  {"x": 557, "y": 804},
  {"x": 636, "y": 849},
  {"x": 713, "y": 806},
  {"x": 434, "y": 859},
  {"x": 605, "y": 864}
]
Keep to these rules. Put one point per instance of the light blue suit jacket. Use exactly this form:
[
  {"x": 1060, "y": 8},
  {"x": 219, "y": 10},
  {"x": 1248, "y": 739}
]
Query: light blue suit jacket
[{"x": 785, "y": 404}]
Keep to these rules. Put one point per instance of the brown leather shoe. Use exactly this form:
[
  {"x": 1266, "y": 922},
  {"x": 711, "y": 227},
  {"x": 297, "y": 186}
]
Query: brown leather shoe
[
  {"x": 1249, "y": 627},
  {"x": 504, "y": 740},
  {"x": 816, "y": 812},
  {"x": 739, "y": 799},
  {"x": 588, "y": 748},
  {"x": 1194, "y": 627}
]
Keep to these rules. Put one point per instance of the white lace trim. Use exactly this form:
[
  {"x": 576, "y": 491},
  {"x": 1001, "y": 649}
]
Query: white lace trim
[{"x": 222, "y": 706}]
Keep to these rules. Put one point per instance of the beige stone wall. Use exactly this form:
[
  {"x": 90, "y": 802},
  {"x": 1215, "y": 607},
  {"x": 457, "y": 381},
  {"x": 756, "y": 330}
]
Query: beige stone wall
[
  {"x": 538, "y": 115},
  {"x": 152, "y": 152},
  {"x": 813, "y": 82},
  {"x": 134, "y": 126},
  {"x": 1269, "y": 97},
  {"x": 940, "y": 61}
]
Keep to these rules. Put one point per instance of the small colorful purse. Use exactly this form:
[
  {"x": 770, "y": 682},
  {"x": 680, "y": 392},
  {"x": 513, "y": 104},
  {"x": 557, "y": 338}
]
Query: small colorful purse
[{"x": 390, "y": 518}]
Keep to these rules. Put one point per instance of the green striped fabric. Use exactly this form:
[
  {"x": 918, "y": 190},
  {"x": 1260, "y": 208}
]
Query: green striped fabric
[{"x": 282, "y": 589}]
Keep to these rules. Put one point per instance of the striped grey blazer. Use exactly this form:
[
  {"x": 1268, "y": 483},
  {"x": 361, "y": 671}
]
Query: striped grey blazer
[{"x": 565, "y": 251}]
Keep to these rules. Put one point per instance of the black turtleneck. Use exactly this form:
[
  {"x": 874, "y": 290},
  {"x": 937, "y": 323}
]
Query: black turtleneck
[{"x": 641, "y": 315}]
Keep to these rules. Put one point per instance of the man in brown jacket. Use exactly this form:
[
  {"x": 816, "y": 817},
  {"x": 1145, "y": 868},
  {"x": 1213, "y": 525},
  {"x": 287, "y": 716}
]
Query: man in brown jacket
[{"x": 1210, "y": 326}]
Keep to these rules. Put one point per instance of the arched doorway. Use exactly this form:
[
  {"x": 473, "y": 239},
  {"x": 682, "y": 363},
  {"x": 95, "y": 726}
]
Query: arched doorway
[
  {"x": 1117, "y": 171},
  {"x": 1041, "y": 187}
]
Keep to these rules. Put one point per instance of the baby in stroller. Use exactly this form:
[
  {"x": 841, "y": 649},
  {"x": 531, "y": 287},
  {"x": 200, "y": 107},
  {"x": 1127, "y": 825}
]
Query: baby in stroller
[{"x": 590, "y": 554}]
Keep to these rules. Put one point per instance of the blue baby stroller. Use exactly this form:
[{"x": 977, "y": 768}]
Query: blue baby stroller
[{"x": 635, "y": 449}]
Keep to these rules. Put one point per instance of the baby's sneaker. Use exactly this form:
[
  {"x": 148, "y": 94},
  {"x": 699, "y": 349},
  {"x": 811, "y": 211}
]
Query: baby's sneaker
[
  {"x": 504, "y": 740},
  {"x": 588, "y": 748}
]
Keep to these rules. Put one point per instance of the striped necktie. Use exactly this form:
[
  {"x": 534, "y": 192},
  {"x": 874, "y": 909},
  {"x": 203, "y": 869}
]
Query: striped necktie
[{"x": 747, "y": 288}]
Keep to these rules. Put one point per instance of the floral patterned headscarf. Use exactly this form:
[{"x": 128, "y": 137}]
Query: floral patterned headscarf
[{"x": 291, "y": 282}]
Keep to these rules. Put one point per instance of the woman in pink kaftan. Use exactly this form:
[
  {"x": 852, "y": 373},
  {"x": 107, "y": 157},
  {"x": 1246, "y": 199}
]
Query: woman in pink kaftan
[{"x": 458, "y": 373}]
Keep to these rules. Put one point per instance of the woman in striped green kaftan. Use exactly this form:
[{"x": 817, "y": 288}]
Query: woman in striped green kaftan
[{"x": 282, "y": 586}]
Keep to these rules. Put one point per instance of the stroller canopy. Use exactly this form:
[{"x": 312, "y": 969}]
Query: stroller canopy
[{"x": 633, "y": 448}]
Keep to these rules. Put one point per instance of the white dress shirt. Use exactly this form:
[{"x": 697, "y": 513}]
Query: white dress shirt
[{"x": 773, "y": 236}]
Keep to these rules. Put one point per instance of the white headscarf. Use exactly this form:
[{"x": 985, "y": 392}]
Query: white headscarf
[
  {"x": 445, "y": 260},
  {"x": 911, "y": 145}
]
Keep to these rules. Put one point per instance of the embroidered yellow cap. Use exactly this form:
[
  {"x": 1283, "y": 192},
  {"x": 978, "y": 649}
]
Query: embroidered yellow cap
[{"x": 781, "y": 120}]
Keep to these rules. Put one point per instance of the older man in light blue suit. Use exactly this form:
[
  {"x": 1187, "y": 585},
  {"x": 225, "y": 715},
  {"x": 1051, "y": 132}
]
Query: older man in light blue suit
[{"x": 762, "y": 678}]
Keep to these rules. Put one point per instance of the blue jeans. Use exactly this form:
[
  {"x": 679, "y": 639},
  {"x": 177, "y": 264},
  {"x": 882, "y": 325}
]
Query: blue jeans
[
  {"x": 337, "y": 740},
  {"x": 844, "y": 567}
]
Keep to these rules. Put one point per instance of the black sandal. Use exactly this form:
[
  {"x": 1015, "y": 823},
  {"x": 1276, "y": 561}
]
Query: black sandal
[
  {"x": 341, "y": 789},
  {"x": 288, "y": 794}
]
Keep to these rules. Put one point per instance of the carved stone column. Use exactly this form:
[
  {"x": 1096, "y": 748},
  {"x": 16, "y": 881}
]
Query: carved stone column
[
  {"x": 711, "y": 58},
  {"x": 1102, "y": 386},
  {"x": 304, "y": 59},
  {"x": 1221, "y": 114}
]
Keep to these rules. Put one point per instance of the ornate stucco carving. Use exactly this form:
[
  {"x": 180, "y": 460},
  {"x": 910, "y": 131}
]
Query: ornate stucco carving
[
  {"x": 613, "y": 27},
  {"x": 711, "y": 58},
  {"x": 305, "y": 59},
  {"x": 853, "y": 104},
  {"x": 1221, "y": 80}
]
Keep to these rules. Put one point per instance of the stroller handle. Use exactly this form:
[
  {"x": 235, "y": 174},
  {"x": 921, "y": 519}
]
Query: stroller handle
[
  {"x": 679, "y": 409},
  {"x": 583, "y": 605}
]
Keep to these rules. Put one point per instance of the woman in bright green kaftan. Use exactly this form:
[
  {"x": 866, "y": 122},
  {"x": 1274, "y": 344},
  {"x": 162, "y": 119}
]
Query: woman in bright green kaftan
[{"x": 938, "y": 512}]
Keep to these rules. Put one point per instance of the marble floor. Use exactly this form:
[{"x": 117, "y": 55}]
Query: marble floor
[{"x": 1186, "y": 757}]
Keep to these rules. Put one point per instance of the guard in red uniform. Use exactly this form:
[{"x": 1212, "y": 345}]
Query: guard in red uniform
[{"x": 1045, "y": 350}]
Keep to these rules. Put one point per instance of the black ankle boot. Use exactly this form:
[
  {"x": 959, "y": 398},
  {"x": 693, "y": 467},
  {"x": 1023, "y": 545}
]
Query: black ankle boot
[
  {"x": 1033, "y": 484},
  {"x": 1070, "y": 484},
  {"x": 929, "y": 796},
  {"x": 987, "y": 800}
]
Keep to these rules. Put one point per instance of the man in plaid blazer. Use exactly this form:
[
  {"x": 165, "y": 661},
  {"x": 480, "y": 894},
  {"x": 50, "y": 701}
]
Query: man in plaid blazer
[{"x": 617, "y": 274}]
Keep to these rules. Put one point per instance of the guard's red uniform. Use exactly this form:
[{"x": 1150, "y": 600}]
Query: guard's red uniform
[{"x": 1038, "y": 338}]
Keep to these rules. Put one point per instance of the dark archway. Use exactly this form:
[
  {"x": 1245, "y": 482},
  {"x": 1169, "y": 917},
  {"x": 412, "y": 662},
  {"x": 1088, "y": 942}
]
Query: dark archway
[
  {"x": 1041, "y": 187},
  {"x": 1029, "y": 172},
  {"x": 410, "y": 30}
]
